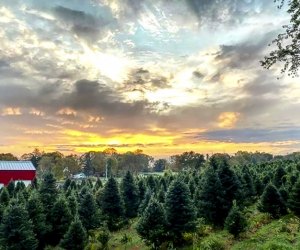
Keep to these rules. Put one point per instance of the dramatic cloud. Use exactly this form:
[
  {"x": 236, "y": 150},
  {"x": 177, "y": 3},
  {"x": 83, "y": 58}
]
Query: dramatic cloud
[{"x": 165, "y": 76}]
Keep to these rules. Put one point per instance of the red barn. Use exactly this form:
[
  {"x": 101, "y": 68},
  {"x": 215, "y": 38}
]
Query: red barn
[{"x": 16, "y": 171}]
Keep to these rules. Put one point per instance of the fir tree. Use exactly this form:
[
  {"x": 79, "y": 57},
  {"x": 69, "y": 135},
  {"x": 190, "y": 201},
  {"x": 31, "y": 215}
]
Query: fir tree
[
  {"x": 67, "y": 184},
  {"x": 210, "y": 198},
  {"x": 142, "y": 189},
  {"x": 16, "y": 229},
  {"x": 294, "y": 199},
  {"x": 180, "y": 211},
  {"x": 72, "y": 204},
  {"x": 278, "y": 181},
  {"x": 36, "y": 214},
  {"x": 152, "y": 224},
  {"x": 235, "y": 222},
  {"x": 75, "y": 238},
  {"x": 60, "y": 220},
  {"x": 48, "y": 191},
  {"x": 271, "y": 202},
  {"x": 11, "y": 188},
  {"x": 112, "y": 204},
  {"x": 143, "y": 205},
  {"x": 98, "y": 184},
  {"x": 4, "y": 197},
  {"x": 130, "y": 195},
  {"x": 88, "y": 212}
]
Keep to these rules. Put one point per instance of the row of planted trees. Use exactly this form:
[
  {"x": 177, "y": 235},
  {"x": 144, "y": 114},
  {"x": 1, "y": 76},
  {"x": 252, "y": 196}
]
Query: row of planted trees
[{"x": 167, "y": 208}]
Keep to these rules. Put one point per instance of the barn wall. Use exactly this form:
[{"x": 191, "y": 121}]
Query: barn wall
[{"x": 7, "y": 175}]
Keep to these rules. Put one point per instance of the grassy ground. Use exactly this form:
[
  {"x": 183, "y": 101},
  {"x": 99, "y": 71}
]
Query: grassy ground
[{"x": 263, "y": 233}]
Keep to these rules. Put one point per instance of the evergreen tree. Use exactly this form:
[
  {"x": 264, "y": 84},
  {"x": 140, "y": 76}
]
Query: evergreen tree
[
  {"x": 271, "y": 202},
  {"x": 152, "y": 224},
  {"x": 130, "y": 195},
  {"x": 88, "y": 212},
  {"x": 67, "y": 184},
  {"x": 75, "y": 238},
  {"x": 142, "y": 189},
  {"x": 112, "y": 204},
  {"x": 48, "y": 191},
  {"x": 294, "y": 199},
  {"x": 235, "y": 222},
  {"x": 180, "y": 212},
  {"x": 151, "y": 183},
  {"x": 60, "y": 220},
  {"x": 161, "y": 195},
  {"x": 143, "y": 205},
  {"x": 20, "y": 186},
  {"x": 248, "y": 189},
  {"x": 4, "y": 197},
  {"x": 210, "y": 198},
  {"x": 36, "y": 215},
  {"x": 98, "y": 184},
  {"x": 72, "y": 204},
  {"x": 16, "y": 229},
  {"x": 277, "y": 180},
  {"x": 11, "y": 188}
]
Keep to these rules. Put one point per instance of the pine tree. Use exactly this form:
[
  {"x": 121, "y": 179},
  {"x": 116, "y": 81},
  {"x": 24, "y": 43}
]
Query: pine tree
[
  {"x": 142, "y": 189},
  {"x": 280, "y": 172},
  {"x": 152, "y": 224},
  {"x": 98, "y": 184},
  {"x": 11, "y": 188},
  {"x": 36, "y": 215},
  {"x": 180, "y": 211},
  {"x": 143, "y": 205},
  {"x": 210, "y": 199},
  {"x": 67, "y": 184},
  {"x": 112, "y": 204},
  {"x": 88, "y": 212},
  {"x": 60, "y": 220},
  {"x": 235, "y": 222},
  {"x": 130, "y": 195},
  {"x": 271, "y": 202},
  {"x": 16, "y": 229},
  {"x": 72, "y": 204},
  {"x": 75, "y": 238},
  {"x": 4, "y": 197},
  {"x": 48, "y": 191},
  {"x": 294, "y": 200}
]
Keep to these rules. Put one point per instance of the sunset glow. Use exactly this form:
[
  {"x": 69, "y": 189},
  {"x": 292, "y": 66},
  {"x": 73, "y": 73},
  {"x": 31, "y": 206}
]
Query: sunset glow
[{"x": 161, "y": 76}]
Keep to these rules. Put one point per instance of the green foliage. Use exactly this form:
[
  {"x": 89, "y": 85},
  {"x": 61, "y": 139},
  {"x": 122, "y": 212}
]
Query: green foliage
[
  {"x": 75, "y": 238},
  {"x": 112, "y": 205},
  {"x": 16, "y": 229},
  {"x": 210, "y": 198},
  {"x": 4, "y": 197},
  {"x": 88, "y": 212},
  {"x": 60, "y": 220},
  {"x": 152, "y": 224},
  {"x": 287, "y": 43},
  {"x": 271, "y": 202},
  {"x": 103, "y": 238},
  {"x": 48, "y": 191},
  {"x": 130, "y": 195},
  {"x": 180, "y": 211},
  {"x": 235, "y": 222},
  {"x": 294, "y": 200},
  {"x": 212, "y": 243},
  {"x": 36, "y": 214}
]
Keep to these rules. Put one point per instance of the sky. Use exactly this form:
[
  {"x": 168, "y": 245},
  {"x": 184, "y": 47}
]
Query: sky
[{"x": 164, "y": 76}]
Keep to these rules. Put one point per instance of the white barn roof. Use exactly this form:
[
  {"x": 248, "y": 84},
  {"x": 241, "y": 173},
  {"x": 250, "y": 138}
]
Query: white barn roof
[{"x": 16, "y": 165}]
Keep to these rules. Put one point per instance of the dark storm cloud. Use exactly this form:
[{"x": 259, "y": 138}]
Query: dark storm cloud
[{"x": 252, "y": 135}]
